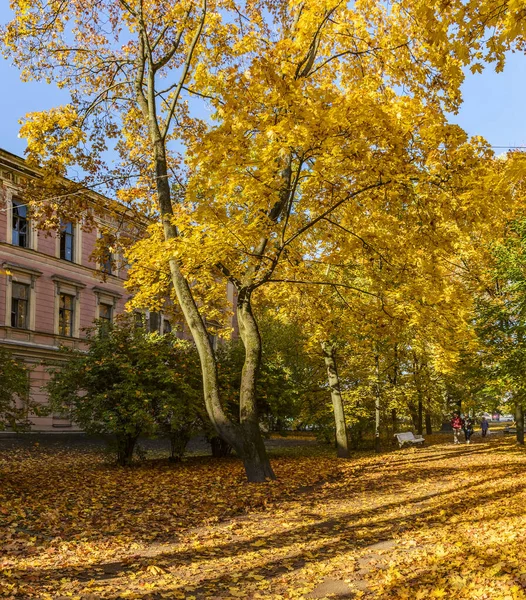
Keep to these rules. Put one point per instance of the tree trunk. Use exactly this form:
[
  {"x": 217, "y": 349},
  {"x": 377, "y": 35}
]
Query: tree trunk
[
  {"x": 417, "y": 370},
  {"x": 244, "y": 438},
  {"x": 394, "y": 381},
  {"x": 414, "y": 414},
  {"x": 377, "y": 447},
  {"x": 254, "y": 456},
  {"x": 178, "y": 441},
  {"x": 429, "y": 428},
  {"x": 419, "y": 422},
  {"x": 219, "y": 447},
  {"x": 519, "y": 423},
  {"x": 342, "y": 442},
  {"x": 125, "y": 447}
]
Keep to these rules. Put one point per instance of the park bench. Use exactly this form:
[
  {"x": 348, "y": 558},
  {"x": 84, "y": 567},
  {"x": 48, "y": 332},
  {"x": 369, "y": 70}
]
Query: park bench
[{"x": 408, "y": 437}]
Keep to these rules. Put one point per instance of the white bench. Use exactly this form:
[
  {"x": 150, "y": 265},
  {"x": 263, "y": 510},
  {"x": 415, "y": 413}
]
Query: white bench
[{"x": 408, "y": 438}]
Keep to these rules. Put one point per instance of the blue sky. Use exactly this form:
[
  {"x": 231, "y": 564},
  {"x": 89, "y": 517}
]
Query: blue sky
[{"x": 493, "y": 102}]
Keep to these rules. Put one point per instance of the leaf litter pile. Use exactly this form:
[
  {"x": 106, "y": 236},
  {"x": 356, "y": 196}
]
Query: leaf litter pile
[{"x": 438, "y": 522}]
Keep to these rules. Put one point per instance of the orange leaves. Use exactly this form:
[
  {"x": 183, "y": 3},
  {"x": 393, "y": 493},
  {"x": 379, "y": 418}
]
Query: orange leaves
[{"x": 441, "y": 522}]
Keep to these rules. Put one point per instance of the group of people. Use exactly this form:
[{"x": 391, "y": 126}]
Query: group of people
[{"x": 466, "y": 425}]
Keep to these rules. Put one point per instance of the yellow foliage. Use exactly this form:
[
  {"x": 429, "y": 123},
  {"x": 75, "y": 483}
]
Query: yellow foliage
[{"x": 438, "y": 522}]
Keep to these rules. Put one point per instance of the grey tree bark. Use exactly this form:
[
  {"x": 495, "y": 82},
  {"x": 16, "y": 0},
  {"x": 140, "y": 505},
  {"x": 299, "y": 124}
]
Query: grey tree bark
[
  {"x": 342, "y": 441},
  {"x": 429, "y": 428},
  {"x": 255, "y": 459},
  {"x": 419, "y": 423},
  {"x": 377, "y": 394},
  {"x": 417, "y": 370},
  {"x": 394, "y": 383},
  {"x": 244, "y": 437}
]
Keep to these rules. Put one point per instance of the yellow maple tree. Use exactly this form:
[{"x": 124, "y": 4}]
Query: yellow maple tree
[{"x": 320, "y": 115}]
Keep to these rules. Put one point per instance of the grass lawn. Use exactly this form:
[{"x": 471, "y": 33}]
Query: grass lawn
[{"x": 443, "y": 521}]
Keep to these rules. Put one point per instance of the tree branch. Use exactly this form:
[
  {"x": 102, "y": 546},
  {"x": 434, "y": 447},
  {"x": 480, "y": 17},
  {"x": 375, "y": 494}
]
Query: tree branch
[
  {"x": 330, "y": 283},
  {"x": 356, "y": 53},
  {"x": 364, "y": 242},
  {"x": 186, "y": 68},
  {"x": 166, "y": 58},
  {"x": 333, "y": 208}
]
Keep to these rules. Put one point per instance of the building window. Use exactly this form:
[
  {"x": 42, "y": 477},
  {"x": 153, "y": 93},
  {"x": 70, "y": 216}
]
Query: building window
[
  {"x": 66, "y": 314},
  {"x": 107, "y": 265},
  {"x": 154, "y": 322},
  {"x": 167, "y": 327},
  {"x": 20, "y": 306},
  {"x": 67, "y": 242},
  {"x": 20, "y": 236},
  {"x": 105, "y": 313}
]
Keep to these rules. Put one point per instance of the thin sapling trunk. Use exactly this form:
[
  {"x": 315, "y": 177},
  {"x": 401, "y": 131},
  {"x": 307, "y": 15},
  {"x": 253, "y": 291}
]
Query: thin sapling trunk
[{"x": 342, "y": 442}]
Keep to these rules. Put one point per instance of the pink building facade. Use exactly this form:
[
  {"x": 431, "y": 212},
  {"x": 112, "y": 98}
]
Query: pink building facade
[{"x": 50, "y": 287}]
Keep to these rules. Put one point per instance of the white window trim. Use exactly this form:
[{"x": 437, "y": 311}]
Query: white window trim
[
  {"x": 108, "y": 297},
  {"x": 32, "y": 238},
  {"x": 77, "y": 246},
  {"x": 26, "y": 276},
  {"x": 64, "y": 285}
]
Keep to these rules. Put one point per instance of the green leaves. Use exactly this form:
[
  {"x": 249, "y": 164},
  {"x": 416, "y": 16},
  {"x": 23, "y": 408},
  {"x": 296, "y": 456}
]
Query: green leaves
[
  {"x": 501, "y": 315},
  {"x": 14, "y": 393},
  {"x": 128, "y": 383}
]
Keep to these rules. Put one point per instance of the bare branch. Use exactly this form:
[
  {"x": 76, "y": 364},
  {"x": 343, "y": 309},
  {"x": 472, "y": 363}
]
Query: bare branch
[
  {"x": 101, "y": 98},
  {"x": 213, "y": 98},
  {"x": 127, "y": 6},
  {"x": 290, "y": 200},
  {"x": 186, "y": 68},
  {"x": 304, "y": 67}
]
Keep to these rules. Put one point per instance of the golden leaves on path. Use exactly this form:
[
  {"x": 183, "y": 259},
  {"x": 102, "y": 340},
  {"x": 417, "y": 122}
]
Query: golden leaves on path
[{"x": 438, "y": 522}]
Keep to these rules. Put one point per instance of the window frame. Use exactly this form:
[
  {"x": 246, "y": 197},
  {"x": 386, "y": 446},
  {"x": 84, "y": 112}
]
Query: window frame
[
  {"x": 25, "y": 276},
  {"x": 152, "y": 316},
  {"x": 68, "y": 287},
  {"x": 63, "y": 309},
  {"x": 107, "y": 264},
  {"x": 15, "y": 300},
  {"x": 106, "y": 297},
  {"x": 166, "y": 327},
  {"x": 16, "y": 218},
  {"x": 107, "y": 320},
  {"x": 64, "y": 237}
]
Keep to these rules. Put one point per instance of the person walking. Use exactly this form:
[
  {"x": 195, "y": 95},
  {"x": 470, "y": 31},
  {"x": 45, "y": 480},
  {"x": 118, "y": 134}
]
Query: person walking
[
  {"x": 457, "y": 424},
  {"x": 468, "y": 429},
  {"x": 484, "y": 425}
]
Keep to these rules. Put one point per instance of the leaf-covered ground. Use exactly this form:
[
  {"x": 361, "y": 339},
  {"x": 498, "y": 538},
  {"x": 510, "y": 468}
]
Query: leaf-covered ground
[{"x": 444, "y": 521}]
